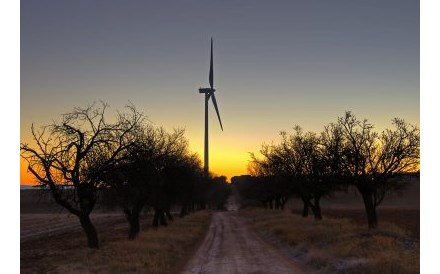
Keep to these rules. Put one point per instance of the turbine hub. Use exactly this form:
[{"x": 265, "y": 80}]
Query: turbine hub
[{"x": 206, "y": 90}]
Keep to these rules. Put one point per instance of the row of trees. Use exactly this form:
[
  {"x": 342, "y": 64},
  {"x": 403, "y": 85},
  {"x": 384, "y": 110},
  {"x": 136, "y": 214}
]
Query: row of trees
[
  {"x": 141, "y": 165},
  {"x": 346, "y": 153}
]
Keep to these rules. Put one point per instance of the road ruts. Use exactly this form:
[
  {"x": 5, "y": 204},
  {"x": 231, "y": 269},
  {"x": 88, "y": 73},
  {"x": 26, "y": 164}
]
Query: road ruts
[{"x": 229, "y": 247}]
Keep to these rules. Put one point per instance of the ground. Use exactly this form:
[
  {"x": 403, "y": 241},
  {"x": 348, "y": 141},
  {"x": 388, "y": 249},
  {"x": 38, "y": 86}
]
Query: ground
[{"x": 230, "y": 245}]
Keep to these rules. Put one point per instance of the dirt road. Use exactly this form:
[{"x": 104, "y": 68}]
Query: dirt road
[{"x": 230, "y": 247}]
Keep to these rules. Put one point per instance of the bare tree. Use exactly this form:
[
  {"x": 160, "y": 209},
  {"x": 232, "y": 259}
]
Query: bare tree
[
  {"x": 157, "y": 171},
  {"x": 298, "y": 160},
  {"x": 348, "y": 152},
  {"x": 133, "y": 178},
  {"x": 219, "y": 192},
  {"x": 71, "y": 156},
  {"x": 370, "y": 160}
]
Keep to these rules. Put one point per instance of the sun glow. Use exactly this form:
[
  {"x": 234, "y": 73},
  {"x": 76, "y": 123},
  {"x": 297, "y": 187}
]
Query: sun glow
[
  {"x": 229, "y": 163},
  {"x": 26, "y": 178}
]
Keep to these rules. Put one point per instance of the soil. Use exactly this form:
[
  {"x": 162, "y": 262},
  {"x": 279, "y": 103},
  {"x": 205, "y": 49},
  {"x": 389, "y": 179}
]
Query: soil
[
  {"x": 402, "y": 217},
  {"x": 230, "y": 247},
  {"x": 43, "y": 236}
]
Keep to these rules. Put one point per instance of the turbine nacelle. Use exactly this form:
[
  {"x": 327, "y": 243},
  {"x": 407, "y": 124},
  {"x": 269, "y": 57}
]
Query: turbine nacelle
[{"x": 206, "y": 90}]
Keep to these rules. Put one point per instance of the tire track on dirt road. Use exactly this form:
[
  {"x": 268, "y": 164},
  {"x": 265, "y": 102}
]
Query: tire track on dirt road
[{"x": 229, "y": 247}]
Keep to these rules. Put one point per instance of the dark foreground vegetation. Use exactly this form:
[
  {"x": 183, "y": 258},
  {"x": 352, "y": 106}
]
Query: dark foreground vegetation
[
  {"x": 130, "y": 161},
  {"x": 337, "y": 245},
  {"x": 348, "y": 153}
]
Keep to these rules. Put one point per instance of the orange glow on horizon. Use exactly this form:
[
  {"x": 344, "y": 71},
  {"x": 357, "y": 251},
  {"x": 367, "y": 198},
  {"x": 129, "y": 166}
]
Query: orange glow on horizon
[
  {"x": 225, "y": 162},
  {"x": 229, "y": 163},
  {"x": 228, "y": 160},
  {"x": 26, "y": 178}
]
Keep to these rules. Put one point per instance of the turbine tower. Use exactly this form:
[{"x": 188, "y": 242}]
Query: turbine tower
[{"x": 209, "y": 93}]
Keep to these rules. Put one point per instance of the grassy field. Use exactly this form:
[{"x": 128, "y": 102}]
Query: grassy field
[
  {"x": 163, "y": 250},
  {"x": 339, "y": 245}
]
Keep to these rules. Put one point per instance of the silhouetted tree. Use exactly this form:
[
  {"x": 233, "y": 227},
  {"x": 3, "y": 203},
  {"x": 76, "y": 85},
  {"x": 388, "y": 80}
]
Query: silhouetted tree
[
  {"x": 346, "y": 153},
  {"x": 295, "y": 166},
  {"x": 69, "y": 157},
  {"x": 270, "y": 175},
  {"x": 158, "y": 171},
  {"x": 308, "y": 169},
  {"x": 191, "y": 184},
  {"x": 219, "y": 192},
  {"x": 370, "y": 161},
  {"x": 176, "y": 168}
]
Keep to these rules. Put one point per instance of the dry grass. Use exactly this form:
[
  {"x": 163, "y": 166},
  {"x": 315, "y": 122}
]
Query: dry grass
[
  {"x": 163, "y": 250},
  {"x": 341, "y": 245}
]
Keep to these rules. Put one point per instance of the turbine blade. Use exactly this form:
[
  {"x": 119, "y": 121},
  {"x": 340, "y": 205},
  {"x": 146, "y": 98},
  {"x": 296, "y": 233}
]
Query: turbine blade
[
  {"x": 211, "y": 70},
  {"x": 216, "y": 110}
]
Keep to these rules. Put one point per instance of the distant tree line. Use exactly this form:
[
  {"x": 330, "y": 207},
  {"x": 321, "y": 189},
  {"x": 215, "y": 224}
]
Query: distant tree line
[
  {"x": 346, "y": 153},
  {"x": 135, "y": 163}
]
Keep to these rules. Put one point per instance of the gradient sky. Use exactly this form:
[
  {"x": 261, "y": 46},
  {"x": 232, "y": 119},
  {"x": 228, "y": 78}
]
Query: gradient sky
[{"x": 276, "y": 64}]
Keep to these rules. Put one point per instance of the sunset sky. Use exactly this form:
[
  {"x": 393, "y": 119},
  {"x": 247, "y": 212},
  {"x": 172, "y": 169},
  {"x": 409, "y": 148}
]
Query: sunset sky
[{"x": 276, "y": 64}]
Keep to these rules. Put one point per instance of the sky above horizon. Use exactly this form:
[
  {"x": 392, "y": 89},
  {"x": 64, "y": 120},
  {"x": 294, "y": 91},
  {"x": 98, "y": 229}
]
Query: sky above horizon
[{"x": 276, "y": 64}]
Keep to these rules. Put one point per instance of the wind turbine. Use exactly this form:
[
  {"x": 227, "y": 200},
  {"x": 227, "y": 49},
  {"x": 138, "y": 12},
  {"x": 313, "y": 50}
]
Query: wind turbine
[{"x": 209, "y": 93}]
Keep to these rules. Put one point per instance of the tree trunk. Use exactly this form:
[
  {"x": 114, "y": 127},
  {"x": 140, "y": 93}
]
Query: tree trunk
[
  {"x": 316, "y": 208},
  {"x": 203, "y": 206},
  {"x": 133, "y": 221},
  {"x": 370, "y": 208},
  {"x": 159, "y": 218},
  {"x": 183, "y": 211},
  {"x": 134, "y": 226},
  {"x": 283, "y": 203},
  {"x": 162, "y": 220},
  {"x": 169, "y": 215},
  {"x": 156, "y": 218},
  {"x": 305, "y": 212},
  {"x": 87, "y": 201},
  {"x": 277, "y": 203},
  {"x": 89, "y": 229}
]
